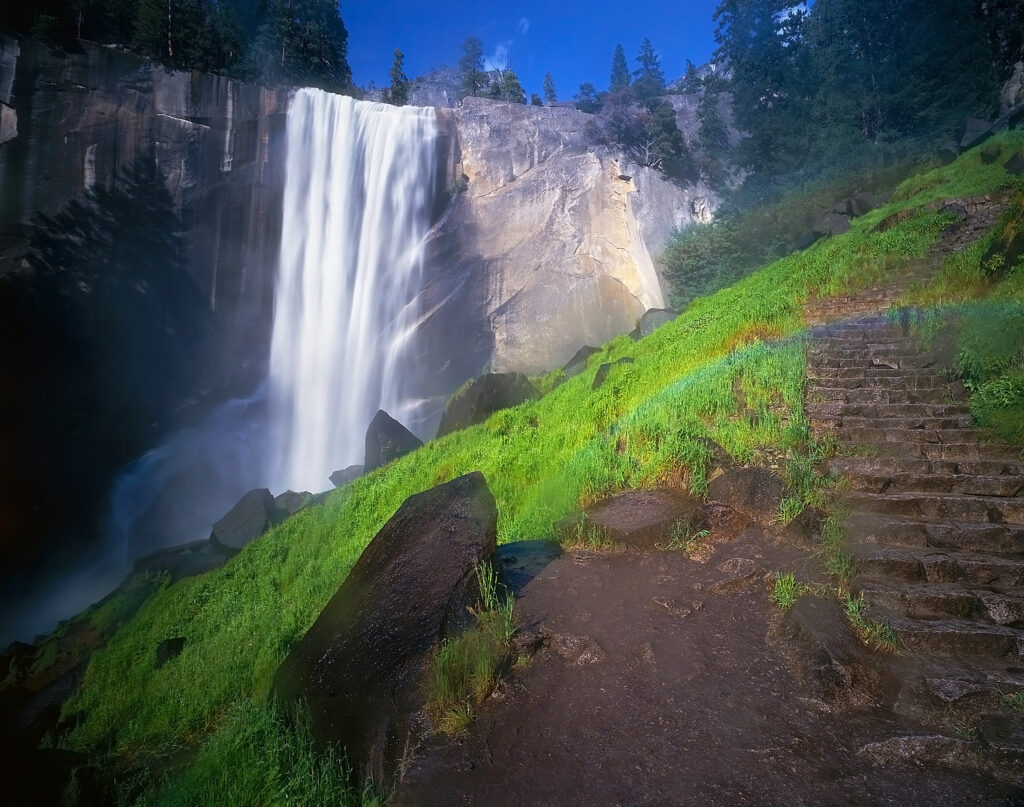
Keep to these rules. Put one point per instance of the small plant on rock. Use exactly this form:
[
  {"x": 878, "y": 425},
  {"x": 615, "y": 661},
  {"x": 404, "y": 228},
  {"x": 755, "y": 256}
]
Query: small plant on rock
[
  {"x": 683, "y": 537},
  {"x": 789, "y": 509},
  {"x": 874, "y": 633},
  {"x": 786, "y": 591},
  {"x": 466, "y": 668}
]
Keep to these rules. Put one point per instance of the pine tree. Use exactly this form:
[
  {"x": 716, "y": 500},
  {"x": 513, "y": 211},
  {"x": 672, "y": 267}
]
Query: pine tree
[
  {"x": 649, "y": 78},
  {"x": 305, "y": 41},
  {"x": 549, "y": 89},
  {"x": 471, "y": 66},
  {"x": 587, "y": 99},
  {"x": 620, "y": 71},
  {"x": 398, "y": 92},
  {"x": 535, "y": 100},
  {"x": 511, "y": 90}
]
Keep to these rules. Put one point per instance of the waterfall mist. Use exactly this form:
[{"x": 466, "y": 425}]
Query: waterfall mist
[
  {"x": 361, "y": 184},
  {"x": 360, "y": 187}
]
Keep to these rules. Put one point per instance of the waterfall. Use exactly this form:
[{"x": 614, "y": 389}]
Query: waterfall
[{"x": 359, "y": 189}]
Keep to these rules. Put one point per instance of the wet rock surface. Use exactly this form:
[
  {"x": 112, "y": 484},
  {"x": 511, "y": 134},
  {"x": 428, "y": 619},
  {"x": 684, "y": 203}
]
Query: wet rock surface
[
  {"x": 653, "y": 688},
  {"x": 638, "y": 519},
  {"x": 386, "y": 441},
  {"x": 483, "y": 397},
  {"x": 936, "y": 524},
  {"x": 360, "y": 666},
  {"x": 250, "y": 517}
]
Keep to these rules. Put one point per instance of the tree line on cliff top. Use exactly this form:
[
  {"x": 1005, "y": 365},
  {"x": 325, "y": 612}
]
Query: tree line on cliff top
[{"x": 290, "y": 41}]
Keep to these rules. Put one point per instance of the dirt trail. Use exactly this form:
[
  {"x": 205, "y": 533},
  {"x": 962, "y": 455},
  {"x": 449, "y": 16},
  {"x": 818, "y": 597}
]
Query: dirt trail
[
  {"x": 661, "y": 683},
  {"x": 664, "y": 680}
]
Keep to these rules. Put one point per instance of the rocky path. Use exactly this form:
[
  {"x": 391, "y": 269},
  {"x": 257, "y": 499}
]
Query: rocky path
[
  {"x": 664, "y": 679},
  {"x": 663, "y": 682},
  {"x": 936, "y": 524}
]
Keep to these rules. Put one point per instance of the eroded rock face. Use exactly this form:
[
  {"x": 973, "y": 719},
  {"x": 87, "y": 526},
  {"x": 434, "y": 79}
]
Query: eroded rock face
[
  {"x": 71, "y": 121},
  {"x": 251, "y": 516},
  {"x": 360, "y": 666},
  {"x": 553, "y": 243},
  {"x": 386, "y": 441},
  {"x": 483, "y": 397}
]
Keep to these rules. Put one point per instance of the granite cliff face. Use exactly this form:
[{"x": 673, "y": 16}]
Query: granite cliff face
[
  {"x": 551, "y": 245},
  {"x": 70, "y": 121}
]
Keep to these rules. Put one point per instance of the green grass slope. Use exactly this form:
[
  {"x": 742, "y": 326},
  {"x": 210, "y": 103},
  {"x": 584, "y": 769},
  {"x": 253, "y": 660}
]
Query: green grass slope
[{"x": 200, "y": 729}]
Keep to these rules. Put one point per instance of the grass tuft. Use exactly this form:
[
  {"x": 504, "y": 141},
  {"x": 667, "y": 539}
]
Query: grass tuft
[
  {"x": 466, "y": 668},
  {"x": 787, "y": 590},
  {"x": 873, "y": 633}
]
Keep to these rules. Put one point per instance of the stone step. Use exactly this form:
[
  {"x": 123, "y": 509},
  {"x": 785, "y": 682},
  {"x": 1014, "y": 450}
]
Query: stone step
[
  {"x": 929, "y": 600},
  {"x": 874, "y": 373},
  {"x": 895, "y": 422},
  {"x": 852, "y": 394},
  {"x": 900, "y": 436},
  {"x": 949, "y": 484},
  {"x": 897, "y": 465},
  {"x": 934, "y": 506},
  {"x": 841, "y": 409},
  {"x": 994, "y": 539},
  {"x": 864, "y": 358},
  {"x": 921, "y": 601},
  {"x": 894, "y": 383},
  {"x": 952, "y": 637},
  {"x": 935, "y": 566},
  {"x": 957, "y": 452}
]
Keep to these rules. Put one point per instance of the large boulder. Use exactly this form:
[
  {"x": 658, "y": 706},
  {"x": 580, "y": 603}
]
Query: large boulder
[
  {"x": 948, "y": 152},
  {"x": 832, "y": 224},
  {"x": 346, "y": 475},
  {"x": 602, "y": 372},
  {"x": 187, "y": 560},
  {"x": 863, "y": 203},
  {"x": 483, "y": 397},
  {"x": 578, "y": 363},
  {"x": 386, "y": 441},
  {"x": 360, "y": 667},
  {"x": 975, "y": 131},
  {"x": 652, "y": 319},
  {"x": 251, "y": 516},
  {"x": 639, "y": 519},
  {"x": 755, "y": 492}
]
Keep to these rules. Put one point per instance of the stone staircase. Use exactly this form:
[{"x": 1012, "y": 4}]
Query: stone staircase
[
  {"x": 976, "y": 216},
  {"x": 936, "y": 525}
]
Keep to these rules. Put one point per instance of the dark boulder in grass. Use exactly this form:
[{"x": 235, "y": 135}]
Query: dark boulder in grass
[
  {"x": 386, "y": 441},
  {"x": 862, "y": 203},
  {"x": 360, "y": 667},
  {"x": 638, "y": 519},
  {"x": 948, "y": 152},
  {"x": 578, "y": 363},
  {"x": 187, "y": 560},
  {"x": 483, "y": 397},
  {"x": 291, "y": 501},
  {"x": 832, "y": 224},
  {"x": 602, "y": 372},
  {"x": 251, "y": 516},
  {"x": 652, "y": 319},
  {"x": 755, "y": 492},
  {"x": 346, "y": 475},
  {"x": 975, "y": 131},
  {"x": 1015, "y": 165}
]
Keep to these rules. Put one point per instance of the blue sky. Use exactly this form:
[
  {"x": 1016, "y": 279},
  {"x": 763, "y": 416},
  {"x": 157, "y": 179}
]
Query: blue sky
[{"x": 572, "y": 39}]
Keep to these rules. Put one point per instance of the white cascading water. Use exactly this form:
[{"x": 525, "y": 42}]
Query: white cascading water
[{"x": 359, "y": 188}]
